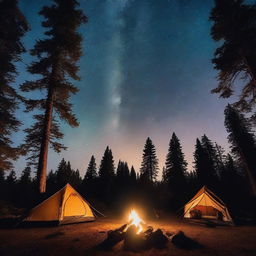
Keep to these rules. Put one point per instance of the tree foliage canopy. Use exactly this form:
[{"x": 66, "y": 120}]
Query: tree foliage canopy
[
  {"x": 56, "y": 58},
  {"x": 13, "y": 26},
  {"x": 176, "y": 164},
  {"x": 242, "y": 140},
  {"x": 149, "y": 165},
  {"x": 234, "y": 25}
]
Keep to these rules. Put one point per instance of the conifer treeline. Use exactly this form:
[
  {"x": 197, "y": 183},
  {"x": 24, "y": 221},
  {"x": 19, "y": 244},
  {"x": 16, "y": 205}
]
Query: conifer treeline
[{"x": 226, "y": 174}]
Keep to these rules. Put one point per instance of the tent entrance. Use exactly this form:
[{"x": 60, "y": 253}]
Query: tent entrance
[
  {"x": 205, "y": 210},
  {"x": 74, "y": 206}
]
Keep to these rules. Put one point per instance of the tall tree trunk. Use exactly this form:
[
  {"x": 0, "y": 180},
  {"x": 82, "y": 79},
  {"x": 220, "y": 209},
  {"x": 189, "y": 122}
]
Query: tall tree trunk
[
  {"x": 250, "y": 174},
  {"x": 42, "y": 163},
  {"x": 252, "y": 180},
  {"x": 251, "y": 65}
]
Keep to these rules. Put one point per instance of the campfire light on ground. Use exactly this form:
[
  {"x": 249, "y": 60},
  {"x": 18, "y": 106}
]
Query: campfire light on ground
[
  {"x": 135, "y": 220},
  {"x": 136, "y": 236}
]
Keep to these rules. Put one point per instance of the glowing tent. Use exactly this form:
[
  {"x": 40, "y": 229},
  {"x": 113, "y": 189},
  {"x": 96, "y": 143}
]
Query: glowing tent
[
  {"x": 65, "y": 206},
  {"x": 205, "y": 204}
]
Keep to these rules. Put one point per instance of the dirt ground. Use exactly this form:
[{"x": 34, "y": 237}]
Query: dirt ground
[{"x": 80, "y": 239}]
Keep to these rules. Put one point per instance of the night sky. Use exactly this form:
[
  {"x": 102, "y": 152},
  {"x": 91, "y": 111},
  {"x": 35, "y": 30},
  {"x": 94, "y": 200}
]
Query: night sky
[{"x": 146, "y": 72}]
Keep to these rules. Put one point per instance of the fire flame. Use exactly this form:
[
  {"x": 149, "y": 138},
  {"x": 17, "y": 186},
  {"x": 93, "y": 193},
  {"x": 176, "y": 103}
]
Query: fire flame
[{"x": 135, "y": 220}]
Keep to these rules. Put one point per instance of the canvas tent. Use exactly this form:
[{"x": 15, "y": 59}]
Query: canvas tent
[
  {"x": 65, "y": 206},
  {"x": 208, "y": 205}
]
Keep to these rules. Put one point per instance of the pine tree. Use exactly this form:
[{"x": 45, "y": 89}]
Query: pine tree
[
  {"x": 220, "y": 159},
  {"x": 91, "y": 172},
  {"x": 63, "y": 173},
  {"x": 11, "y": 178},
  {"x": 75, "y": 179},
  {"x": 122, "y": 172},
  {"x": 230, "y": 174},
  {"x": 234, "y": 185},
  {"x": 11, "y": 185},
  {"x": 133, "y": 177},
  {"x": 192, "y": 182},
  {"x": 13, "y": 26},
  {"x": 25, "y": 178},
  {"x": 164, "y": 175},
  {"x": 210, "y": 161},
  {"x": 176, "y": 167},
  {"x": 210, "y": 149},
  {"x": 89, "y": 186},
  {"x": 25, "y": 189},
  {"x": 57, "y": 55},
  {"x": 123, "y": 180},
  {"x": 242, "y": 142},
  {"x": 107, "y": 168},
  {"x": 234, "y": 25},
  {"x": 52, "y": 183},
  {"x": 149, "y": 165},
  {"x": 119, "y": 171},
  {"x": 106, "y": 175},
  {"x": 201, "y": 165},
  {"x": 126, "y": 171}
]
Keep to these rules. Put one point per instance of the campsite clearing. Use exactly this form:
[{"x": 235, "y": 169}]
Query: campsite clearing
[{"x": 80, "y": 239}]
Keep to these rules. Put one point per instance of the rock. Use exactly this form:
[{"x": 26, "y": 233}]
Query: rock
[
  {"x": 122, "y": 228},
  {"x": 180, "y": 240},
  {"x": 157, "y": 239},
  {"x": 148, "y": 231},
  {"x": 133, "y": 241},
  {"x": 112, "y": 239},
  {"x": 146, "y": 240},
  {"x": 169, "y": 234}
]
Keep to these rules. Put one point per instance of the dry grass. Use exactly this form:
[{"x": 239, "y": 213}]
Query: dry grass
[{"x": 80, "y": 239}]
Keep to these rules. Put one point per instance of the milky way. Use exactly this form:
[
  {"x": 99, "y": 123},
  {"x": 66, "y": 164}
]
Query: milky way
[{"x": 146, "y": 71}]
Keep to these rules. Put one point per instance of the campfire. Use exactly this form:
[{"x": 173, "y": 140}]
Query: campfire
[
  {"x": 136, "y": 235},
  {"x": 135, "y": 220}
]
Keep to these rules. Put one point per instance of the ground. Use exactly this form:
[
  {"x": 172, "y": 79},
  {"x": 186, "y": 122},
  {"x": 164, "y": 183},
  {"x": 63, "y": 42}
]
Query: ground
[{"x": 80, "y": 239}]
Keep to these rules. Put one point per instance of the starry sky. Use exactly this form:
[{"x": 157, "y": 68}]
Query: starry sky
[{"x": 146, "y": 72}]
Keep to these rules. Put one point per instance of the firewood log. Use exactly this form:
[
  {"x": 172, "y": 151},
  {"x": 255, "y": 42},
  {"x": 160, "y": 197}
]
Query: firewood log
[{"x": 113, "y": 237}]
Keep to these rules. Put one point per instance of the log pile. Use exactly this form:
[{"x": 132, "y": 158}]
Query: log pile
[{"x": 145, "y": 240}]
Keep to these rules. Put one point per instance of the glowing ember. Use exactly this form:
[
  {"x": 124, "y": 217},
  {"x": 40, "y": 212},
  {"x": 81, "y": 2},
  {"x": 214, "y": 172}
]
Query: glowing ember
[{"x": 135, "y": 220}]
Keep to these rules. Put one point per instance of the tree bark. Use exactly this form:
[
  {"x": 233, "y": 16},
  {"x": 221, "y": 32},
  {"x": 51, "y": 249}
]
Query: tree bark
[
  {"x": 252, "y": 180},
  {"x": 251, "y": 65},
  {"x": 250, "y": 174},
  {"x": 42, "y": 164},
  {"x": 43, "y": 156}
]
